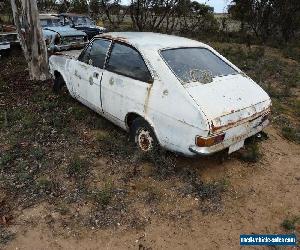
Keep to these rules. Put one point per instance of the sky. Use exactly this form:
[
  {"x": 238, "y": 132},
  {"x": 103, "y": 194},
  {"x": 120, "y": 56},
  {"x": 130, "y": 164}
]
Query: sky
[{"x": 219, "y": 5}]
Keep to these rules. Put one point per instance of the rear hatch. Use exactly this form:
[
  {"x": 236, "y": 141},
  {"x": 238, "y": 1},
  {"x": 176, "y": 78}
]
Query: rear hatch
[{"x": 228, "y": 101}]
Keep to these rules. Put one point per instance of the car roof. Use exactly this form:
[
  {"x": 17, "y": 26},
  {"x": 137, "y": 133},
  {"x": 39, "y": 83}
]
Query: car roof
[
  {"x": 72, "y": 14},
  {"x": 48, "y": 16},
  {"x": 149, "y": 40}
]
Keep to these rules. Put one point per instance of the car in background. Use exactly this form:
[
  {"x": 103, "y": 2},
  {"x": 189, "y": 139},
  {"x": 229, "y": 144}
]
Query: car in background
[
  {"x": 167, "y": 91},
  {"x": 81, "y": 22},
  {"x": 59, "y": 37},
  {"x": 8, "y": 39}
]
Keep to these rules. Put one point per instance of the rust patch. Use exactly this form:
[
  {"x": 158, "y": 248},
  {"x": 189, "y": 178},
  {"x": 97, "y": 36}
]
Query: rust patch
[
  {"x": 232, "y": 124},
  {"x": 149, "y": 87},
  {"x": 118, "y": 38}
]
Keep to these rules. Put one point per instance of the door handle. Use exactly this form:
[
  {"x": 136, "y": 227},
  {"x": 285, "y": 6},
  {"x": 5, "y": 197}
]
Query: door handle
[
  {"x": 91, "y": 80},
  {"x": 95, "y": 75}
]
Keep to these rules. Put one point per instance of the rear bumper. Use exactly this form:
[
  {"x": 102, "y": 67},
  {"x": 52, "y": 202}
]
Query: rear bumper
[
  {"x": 247, "y": 132},
  {"x": 4, "y": 46}
]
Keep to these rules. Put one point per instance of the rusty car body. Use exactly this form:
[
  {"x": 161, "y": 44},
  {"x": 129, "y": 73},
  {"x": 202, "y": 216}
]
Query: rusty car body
[
  {"x": 180, "y": 93},
  {"x": 59, "y": 37},
  {"x": 81, "y": 22}
]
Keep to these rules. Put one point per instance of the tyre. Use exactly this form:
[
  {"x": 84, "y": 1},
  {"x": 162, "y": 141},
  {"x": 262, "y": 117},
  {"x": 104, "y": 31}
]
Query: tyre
[
  {"x": 143, "y": 136},
  {"x": 58, "y": 83}
]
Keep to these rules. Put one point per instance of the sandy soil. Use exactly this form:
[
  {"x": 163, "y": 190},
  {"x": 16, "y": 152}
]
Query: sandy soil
[{"x": 260, "y": 196}]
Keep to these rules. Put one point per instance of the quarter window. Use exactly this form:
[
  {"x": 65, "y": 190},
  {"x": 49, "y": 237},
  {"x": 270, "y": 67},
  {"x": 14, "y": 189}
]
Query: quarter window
[
  {"x": 127, "y": 61},
  {"x": 95, "y": 54}
]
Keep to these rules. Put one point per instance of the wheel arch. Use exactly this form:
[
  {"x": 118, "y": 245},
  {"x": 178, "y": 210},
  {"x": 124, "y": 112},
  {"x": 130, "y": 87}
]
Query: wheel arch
[
  {"x": 57, "y": 73},
  {"x": 131, "y": 116}
]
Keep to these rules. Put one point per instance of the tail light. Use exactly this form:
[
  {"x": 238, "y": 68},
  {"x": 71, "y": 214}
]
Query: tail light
[{"x": 209, "y": 141}]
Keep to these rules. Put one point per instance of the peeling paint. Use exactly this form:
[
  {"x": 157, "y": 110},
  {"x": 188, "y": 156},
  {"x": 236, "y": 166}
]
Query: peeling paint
[{"x": 146, "y": 104}]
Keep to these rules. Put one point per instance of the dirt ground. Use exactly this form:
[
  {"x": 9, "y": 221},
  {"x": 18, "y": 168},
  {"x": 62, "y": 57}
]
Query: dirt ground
[
  {"x": 261, "y": 196},
  {"x": 70, "y": 180}
]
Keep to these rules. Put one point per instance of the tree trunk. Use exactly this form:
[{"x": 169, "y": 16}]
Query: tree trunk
[{"x": 26, "y": 17}]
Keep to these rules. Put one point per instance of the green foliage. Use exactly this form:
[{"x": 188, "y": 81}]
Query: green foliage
[
  {"x": 115, "y": 142},
  {"x": 46, "y": 186},
  {"x": 95, "y": 7},
  {"x": 291, "y": 133},
  {"x": 296, "y": 106},
  {"x": 251, "y": 153},
  {"x": 265, "y": 17},
  {"x": 290, "y": 224},
  {"x": 292, "y": 51},
  {"x": 78, "y": 168},
  {"x": 46, "y": 5},
  {"x": 103, "y": 196},
  {"x": 6, "y": 11},
  {"x": 7, "y": 157},
  {"x": 79, "y": 6},
  {"x": 5, "y": 236},
  {"x": 80, "y": 113},
  {"x": 59, "y": 121},
  {"x": 37, "y": 153}
]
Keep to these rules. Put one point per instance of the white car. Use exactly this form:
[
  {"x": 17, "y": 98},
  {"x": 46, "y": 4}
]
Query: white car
[{"x": 167, "y": 91}]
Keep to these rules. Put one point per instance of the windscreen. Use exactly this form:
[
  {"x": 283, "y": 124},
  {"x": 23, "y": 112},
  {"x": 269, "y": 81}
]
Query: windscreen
[
  {"x": 50, "y": 22},
  {"x": 196, "y": 64},
  {"x": 82, "y": 21}
]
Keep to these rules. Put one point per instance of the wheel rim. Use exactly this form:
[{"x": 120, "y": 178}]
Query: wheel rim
[{"x": 144, "y": 140}]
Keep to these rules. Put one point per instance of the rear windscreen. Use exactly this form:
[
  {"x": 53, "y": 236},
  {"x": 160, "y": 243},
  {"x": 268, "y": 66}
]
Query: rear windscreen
[{"x": 194, "y": 64}]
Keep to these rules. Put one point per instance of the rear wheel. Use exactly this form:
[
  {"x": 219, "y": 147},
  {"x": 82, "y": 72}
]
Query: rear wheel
[{"x": 143, "y": 136}]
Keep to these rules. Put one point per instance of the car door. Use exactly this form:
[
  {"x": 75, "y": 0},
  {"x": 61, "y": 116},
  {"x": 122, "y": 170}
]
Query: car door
[
  {"x": 125, "y": 83},
  {"x": 88, "y": 71}
]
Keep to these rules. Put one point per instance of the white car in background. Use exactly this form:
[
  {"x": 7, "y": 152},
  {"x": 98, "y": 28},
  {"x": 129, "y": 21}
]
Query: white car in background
[{"x": 167, "y": 91}]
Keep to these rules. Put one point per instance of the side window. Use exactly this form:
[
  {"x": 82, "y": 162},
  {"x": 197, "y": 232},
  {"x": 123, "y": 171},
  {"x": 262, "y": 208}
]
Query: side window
[
  {"x": 61, "y": 20},
  {"x": 95, "y": 53},
  {"x": 84, "y": 55},
  {"x": 67, "y": 21},
  {"x": 125, "y": 60}
]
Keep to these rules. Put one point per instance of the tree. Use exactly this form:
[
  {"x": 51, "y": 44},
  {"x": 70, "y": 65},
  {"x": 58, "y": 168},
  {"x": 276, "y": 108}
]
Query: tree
[
  {"x": 268, "y": 18},
  {"x": 63, "y": 6},
  {"x": 287, "y": 16},
  {"x": 5, "y": 9},
  {"x": 79, "y": 6},
  {"x": 114, "y": 12},
  {"x": 150, "y": 14},
  {"x": 26, "y": 18},
  {"x": 95, "y": 8},
  {"x": 200, "y": 18},
  {"x": 46, "y": 5}
]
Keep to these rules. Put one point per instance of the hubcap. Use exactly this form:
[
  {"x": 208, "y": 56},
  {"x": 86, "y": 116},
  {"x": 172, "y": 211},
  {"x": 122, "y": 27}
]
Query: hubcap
[{"x": 144, "y": 140}]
